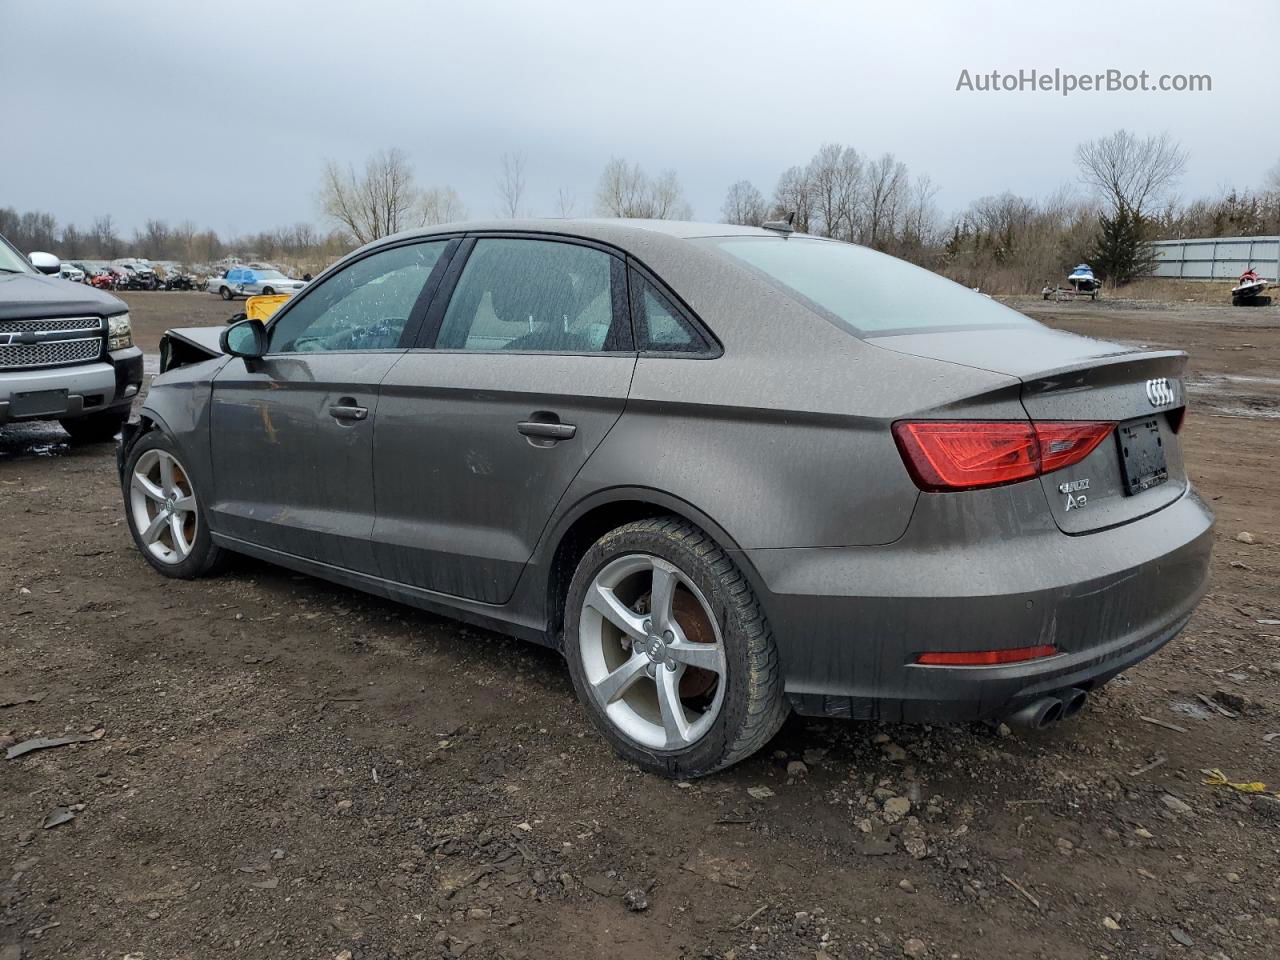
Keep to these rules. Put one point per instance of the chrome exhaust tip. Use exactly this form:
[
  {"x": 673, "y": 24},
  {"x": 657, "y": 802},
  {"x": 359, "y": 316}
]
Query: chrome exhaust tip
[
  {"x": 1038, "y": 714},
  {"x": 1073, "y": 702}
]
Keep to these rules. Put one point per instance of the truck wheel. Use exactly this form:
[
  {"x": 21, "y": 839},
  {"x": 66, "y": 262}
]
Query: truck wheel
[
  {"x": 96, "y": 427},
  {"x": 225, "y": 292},
  {"x": 669, "y": 650},
  {"x": 165, "y": 512}
]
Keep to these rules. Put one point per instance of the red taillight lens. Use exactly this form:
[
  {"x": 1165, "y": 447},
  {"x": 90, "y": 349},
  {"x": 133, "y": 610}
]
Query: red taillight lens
[
  {"x": 986, "y": 658},
  {"x": 971, "y": 454},
  {"x": 1065, "y": 443}
]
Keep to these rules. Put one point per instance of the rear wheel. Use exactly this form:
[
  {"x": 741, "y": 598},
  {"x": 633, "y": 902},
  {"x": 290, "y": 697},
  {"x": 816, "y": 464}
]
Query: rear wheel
[
  {"x": 165, "y": 514},
  {"x": 669, "y": 650},
  {"x": 96, "y": 427}
]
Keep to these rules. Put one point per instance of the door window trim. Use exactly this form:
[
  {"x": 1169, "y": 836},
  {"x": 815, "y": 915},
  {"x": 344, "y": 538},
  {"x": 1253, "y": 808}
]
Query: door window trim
[
  {"x": 618, "y": 294},
  {"x": 421, "y": 305}
]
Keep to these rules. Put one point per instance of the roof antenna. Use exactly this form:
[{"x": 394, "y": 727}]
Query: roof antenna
[{"x": 781, "y": 226}]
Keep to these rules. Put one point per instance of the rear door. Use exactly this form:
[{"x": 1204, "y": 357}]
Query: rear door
[
  {"x": 292, "y": 433},
  {"x": 524, "y": 367}
]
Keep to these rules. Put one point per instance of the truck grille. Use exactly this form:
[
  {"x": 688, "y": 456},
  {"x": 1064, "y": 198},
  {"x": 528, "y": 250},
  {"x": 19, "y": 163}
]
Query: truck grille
[
  {"x": 59, "y": 325},
  {"x": 50, "y": 353}
]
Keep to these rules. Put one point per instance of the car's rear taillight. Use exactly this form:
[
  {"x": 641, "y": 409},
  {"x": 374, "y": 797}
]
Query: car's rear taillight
[{"x": 971, "y": 454}]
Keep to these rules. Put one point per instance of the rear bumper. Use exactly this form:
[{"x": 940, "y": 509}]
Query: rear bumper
[
  {"x": 851, "y": 622},
  {"x": 58, "y": 393}
]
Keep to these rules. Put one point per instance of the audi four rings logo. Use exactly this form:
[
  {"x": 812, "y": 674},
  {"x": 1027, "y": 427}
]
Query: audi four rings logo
[{"x": 1161, "y": 392}]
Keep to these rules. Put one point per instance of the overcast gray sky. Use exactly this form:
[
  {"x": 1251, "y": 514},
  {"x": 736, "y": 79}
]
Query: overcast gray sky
[{"x": 224, "y": 112}]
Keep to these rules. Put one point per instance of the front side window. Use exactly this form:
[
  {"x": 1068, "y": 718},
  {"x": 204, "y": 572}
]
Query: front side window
[
  {"x": 365, "y": 306},
  {"x": 528, "y": 296},
  {"x": 866, "y": 292}
]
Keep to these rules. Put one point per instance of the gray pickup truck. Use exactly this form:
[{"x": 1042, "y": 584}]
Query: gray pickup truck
[{"x": 66, "y": 350}]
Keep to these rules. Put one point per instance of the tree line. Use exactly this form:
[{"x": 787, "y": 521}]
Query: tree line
[{"x": 1003, "y": 243}]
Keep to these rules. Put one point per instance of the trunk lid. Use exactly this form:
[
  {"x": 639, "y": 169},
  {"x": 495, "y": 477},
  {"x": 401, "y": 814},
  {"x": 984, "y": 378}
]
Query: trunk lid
[{"x": 1135, "y": 471}]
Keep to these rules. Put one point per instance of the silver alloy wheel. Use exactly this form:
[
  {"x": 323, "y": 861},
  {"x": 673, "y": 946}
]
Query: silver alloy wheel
[
  {"x": 656, "y": 684},
  {"x": 164, "y": 506}
]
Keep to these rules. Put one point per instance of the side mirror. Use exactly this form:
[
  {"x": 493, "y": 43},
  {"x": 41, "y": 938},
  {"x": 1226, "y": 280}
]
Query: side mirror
[
  {"x": 247, "y": 339},
  {"x": 46, "y": 263}
]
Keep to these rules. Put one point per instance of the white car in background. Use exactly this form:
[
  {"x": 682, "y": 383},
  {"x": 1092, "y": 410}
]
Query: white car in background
[{"x": 251, "y": 282}]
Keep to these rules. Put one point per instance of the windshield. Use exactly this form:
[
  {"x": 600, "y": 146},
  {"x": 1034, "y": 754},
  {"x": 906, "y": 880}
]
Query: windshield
[
  {"x": 270, "y": 275},
  {"x": 866, "y": 292},
  {"x": 10, "y": 260}
]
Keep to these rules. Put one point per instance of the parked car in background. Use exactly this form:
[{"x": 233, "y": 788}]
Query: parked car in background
[
  {"x": 249, "y": 282},
  {"x": 728, "y": 471},
  {"x": 66, "y": 350},
  {"x": 142, "y": 275},
  {"x": 179, "y": 279},
  {"x": 102, "y": 278},
  {"x": 71, "y": 272}
]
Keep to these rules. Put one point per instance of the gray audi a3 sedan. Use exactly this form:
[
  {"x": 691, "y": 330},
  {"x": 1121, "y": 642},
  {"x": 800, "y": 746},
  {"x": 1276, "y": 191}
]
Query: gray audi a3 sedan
[{"x": 729, "y": 472}]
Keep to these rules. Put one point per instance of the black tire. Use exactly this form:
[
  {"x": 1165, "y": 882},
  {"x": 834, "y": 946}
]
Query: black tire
[
  {"x": 96, "y": 427},
  {"x": 754, "y": 706},
  {"x": 226, "y": 293},
  {"x": 268, "y": 292},
  {"x": 206, "y": 557}
]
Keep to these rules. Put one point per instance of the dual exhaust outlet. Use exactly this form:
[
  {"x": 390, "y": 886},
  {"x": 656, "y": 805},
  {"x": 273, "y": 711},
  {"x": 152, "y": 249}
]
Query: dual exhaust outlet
[{"x": 1047, "y": 711}]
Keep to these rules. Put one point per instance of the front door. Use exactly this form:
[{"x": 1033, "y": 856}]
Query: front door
[
  {"x": 479, "y": 435},
  {"x": 292, "y": 433}
]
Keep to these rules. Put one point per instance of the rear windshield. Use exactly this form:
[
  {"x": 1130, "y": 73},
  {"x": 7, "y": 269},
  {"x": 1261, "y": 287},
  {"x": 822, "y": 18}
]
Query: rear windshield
[{"x": 866, "y": 292}]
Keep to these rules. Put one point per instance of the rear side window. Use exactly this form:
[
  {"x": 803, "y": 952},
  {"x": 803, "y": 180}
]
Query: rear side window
[
  {"x": 866, "y": 292},
  {"x": 530, "y": 296},
  {"x": 660, "y": 326}
]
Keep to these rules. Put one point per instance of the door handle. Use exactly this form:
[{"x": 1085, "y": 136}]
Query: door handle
[
  {"x": 547, "y": 431},
  {"x": 348, "y": 409}
]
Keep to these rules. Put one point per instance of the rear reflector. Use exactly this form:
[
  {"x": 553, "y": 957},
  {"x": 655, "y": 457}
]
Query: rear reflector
[
  {"x": 986, "y": 658},
  {"x": 971, "y": 454}
]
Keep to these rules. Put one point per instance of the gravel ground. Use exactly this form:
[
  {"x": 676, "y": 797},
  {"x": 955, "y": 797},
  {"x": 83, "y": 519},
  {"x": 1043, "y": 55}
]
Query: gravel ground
[{"x": 275, "y": 767}]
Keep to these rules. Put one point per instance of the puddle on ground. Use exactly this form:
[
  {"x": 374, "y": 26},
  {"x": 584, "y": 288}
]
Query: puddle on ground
[{"x": 34, "y": 439}]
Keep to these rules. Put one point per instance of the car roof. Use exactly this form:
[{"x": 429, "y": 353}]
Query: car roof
[{"x": 626, "y": 233}]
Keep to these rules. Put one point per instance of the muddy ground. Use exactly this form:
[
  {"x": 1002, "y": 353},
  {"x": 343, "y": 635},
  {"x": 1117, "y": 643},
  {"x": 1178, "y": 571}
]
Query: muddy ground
[{"x": 283, "y": 768}]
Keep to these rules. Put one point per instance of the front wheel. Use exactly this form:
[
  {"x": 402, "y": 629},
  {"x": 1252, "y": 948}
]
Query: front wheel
[
  {"x": 669, "y": 650},
  {"x": 96, "y": 427},
  {"x": 268, "y": 292},
  {"x": 226, "y": 293},
  {"x": 165, "y": 512}
]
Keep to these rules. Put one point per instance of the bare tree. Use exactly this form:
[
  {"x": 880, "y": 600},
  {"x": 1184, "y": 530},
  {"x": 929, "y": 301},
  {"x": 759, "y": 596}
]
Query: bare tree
[
  {"x": 833, "y": 178},
  {"x": 920, "y": 222},
  {"x": 791, "y": 196},
  {"x": 1273, "y": 179},
  {"x": 886, "y": 181},
  {"x": 441, "y": 205},
  {"x": 565, "y": 202},
  {"x": 377, "y": 204},
  {"x": 1129, "y": 172},
  {"x": 666, "y": 199},
  {"x": 625, "y": 190},
  {"x": 621, "y": 190},
  {"x": 744, "y": 204},
  {"x": 106, "y": 243},
  {"x": 511, "y": 185}
]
